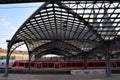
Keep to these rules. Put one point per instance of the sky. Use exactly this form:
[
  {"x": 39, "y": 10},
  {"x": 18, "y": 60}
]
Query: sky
[{"x": 12, "y": 16}]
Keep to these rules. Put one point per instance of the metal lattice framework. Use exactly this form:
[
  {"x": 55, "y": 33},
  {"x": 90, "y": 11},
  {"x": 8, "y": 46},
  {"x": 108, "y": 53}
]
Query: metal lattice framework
[{"x": 71, "y": 26}]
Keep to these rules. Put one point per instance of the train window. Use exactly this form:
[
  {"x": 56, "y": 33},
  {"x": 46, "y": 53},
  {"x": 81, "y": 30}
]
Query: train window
[
  {"x": 77, "y": 64},
  {"x": 51, "y": 65},
  {"x": 32, "y": 64},
  {"x": 91, "y": 64},
  {"x": 68, "y": 64},
  {"x": 97, "y": 64},
  {"x": 118, "y": 64},
  {"x": 73, "y": 64},
  {"x": 26, "y": 64},
  {"x": 21, "y": 64},
  {"x": 64, "y": 64},
  {"x": 44, "y": 65},
  {"x": 80, "y": 64},
  {"x": 39, "y": 65},
  {"x": 103, "y": 64},
  {"x": 113, "y": 64}
]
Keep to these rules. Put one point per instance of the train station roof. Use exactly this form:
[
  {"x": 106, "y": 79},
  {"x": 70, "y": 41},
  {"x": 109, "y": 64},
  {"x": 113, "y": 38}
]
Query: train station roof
[{"x": 73, "y": 27}]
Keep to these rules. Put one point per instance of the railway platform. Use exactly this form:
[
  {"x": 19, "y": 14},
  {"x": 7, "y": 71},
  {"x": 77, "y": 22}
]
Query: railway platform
[{"x": 58, "y": 77}]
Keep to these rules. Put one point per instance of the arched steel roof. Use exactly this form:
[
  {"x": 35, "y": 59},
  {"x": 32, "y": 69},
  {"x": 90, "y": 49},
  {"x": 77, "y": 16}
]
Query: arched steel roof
[
  {"x": 83, "y": 24},
  {"x": 57, "y": 44}
]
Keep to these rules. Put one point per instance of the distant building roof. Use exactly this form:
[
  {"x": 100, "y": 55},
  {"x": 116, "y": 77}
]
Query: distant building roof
[{"x": 16, "y": 51}]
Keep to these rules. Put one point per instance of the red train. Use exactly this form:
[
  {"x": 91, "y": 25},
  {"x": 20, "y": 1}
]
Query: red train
[{"x": 68, "y": 64}]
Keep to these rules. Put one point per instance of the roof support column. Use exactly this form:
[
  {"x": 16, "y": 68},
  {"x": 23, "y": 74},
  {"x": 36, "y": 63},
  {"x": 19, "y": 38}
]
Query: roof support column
[
  {"x": 85, "y": 57},
  {"x": 108, "y": 66},
  {"x": 30, "y": 56},
  {"x": 107, "y": 58},
  {"x": 7, "y": 60}
]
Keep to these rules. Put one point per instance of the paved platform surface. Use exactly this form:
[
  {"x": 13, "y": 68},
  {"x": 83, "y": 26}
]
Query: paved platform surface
[{"x": 58, "y": 77}]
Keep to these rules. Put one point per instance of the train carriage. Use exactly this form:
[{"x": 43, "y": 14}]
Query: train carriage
[{"x": 66, "y": 64}]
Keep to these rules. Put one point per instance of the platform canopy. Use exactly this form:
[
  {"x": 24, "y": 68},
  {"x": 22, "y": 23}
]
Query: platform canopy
[{"x": 70, "y": 27}]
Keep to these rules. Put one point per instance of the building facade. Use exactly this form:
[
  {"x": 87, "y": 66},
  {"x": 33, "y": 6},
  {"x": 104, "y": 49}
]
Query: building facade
[{"x": 16, "y": 55}]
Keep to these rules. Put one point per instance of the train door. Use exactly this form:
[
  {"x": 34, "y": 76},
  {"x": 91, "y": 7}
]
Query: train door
[
  {"x": 39, "y": 65},
  {"x": 118, "y": 64},
  {"x": 50, "y": 65},
  {"x": 114, "y": 65},
  {"x": 44, "y": 65},
  {"x": 56, "y": 65}
]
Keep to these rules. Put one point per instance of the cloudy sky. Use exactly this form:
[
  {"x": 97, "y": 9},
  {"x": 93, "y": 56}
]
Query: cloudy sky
[{"x": 12, "y": 16}]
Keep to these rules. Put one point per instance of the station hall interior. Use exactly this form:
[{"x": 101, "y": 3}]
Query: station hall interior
[{"x": 73, "y": 30}]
